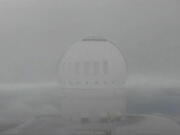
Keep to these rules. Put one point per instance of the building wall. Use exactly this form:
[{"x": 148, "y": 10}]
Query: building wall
[{"x": 93, "y": 103}]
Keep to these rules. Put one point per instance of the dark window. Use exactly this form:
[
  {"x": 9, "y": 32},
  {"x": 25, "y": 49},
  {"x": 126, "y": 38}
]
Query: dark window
[
  {"x": 77, "y": 68},
  {"x": 96, "y": 68},
  {"x": 105, "y": 67}
]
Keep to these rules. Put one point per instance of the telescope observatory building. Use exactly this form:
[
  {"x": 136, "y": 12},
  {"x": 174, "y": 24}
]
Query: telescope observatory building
[{"x": 92, "y": 72}]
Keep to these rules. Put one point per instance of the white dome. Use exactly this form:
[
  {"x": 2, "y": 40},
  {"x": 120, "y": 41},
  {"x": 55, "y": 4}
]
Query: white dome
[{"x": 92, "y": 63}]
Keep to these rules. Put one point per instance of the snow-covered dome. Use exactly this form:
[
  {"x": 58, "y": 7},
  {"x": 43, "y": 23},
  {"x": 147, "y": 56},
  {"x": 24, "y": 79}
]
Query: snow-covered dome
[{"x": 92, "y": 63}]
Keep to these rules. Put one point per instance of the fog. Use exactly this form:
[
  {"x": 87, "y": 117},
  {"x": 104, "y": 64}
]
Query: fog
[{"x": 35, "y": 34}]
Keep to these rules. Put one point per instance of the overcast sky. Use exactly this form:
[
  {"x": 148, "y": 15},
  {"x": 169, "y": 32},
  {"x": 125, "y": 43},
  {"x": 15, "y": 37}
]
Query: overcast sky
[{"x": 35, "y": 33}]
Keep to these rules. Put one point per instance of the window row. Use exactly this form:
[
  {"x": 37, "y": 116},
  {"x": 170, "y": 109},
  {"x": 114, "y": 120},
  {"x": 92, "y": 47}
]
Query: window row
[
  {"x": 86, "y": 68},
  {"x": 89, "y": 82}
]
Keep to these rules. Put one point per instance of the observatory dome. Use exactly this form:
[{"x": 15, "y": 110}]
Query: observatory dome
[{"x": 92, "y": 63}]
